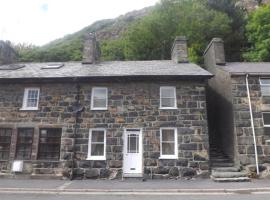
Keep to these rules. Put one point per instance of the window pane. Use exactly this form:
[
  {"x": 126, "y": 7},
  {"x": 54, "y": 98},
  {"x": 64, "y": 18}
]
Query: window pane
[
  {"x": 100, "y": 93},
  {"x": 49, "y": 143},
  {"x": 97, "y": 149},
  {"x": 265, "y": 89},
  {"x": 167, "y": 92},
  {"x": 168, "y": 135},
  {"x": 5, "y": 140},
  {"x": 24, "y": 143},
  {"x": 133, "y": 143},
  {"x": 167, "y": 148},
  {"x": 267, "y": 131},
  {"x": 167, "y": 102},
  {"x": 266, "y": 118},
  {"x": 99, "y": 103},
  {"x": 98, "y": 136},
  {"x": 265, "y": 81}
]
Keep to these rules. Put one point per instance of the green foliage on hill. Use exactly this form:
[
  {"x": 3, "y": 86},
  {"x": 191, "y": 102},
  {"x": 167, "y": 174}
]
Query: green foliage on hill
[
  {"x": 258, "y": 34},
  {"x": 148, "y": 34}
]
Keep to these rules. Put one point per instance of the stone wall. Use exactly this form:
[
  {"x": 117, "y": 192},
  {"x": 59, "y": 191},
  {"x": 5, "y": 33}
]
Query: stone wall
[
  {"x": 134, "y": 104},
  {"x": 242, "y": 120}
]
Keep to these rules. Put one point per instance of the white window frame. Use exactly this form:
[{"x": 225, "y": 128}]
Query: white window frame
[
  {"x": 265, "y": 125},
  {"x": 92, "y": 99},
  {"x": 263, "y": 84},
  {"x": 89, "y": 156},
  {"x": 172, "y": 156},
  {"x": 160, "y": 97},
  {"x": 25, "y": 98}
]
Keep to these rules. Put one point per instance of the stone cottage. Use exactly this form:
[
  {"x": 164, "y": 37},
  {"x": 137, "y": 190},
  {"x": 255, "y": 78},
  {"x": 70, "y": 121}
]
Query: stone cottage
[
  {"x": 104, "y": 119},
  {"x": 238, "y": 101}
]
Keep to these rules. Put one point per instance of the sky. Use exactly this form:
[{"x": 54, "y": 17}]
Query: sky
[{"x": 41, "y": 21}]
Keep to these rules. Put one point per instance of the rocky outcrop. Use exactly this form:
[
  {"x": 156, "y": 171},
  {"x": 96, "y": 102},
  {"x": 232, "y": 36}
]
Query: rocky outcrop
[{"x": 7, "y": 53}]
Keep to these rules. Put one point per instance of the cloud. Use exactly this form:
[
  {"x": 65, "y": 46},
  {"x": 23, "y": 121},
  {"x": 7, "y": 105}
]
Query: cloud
[
  {"x": 44, "y": 7},
  {"x": 41, "y": 21}
]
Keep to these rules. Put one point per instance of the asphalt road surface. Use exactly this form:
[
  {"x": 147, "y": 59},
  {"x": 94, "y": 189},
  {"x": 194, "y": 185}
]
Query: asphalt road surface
[{"x": 133, "y": 197}]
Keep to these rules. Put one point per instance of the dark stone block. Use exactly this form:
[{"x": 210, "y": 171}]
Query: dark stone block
[
  {"x": 182, "y": 162},
  {"x": 115, "y": 164},
  {"x": 116, "y": 97},
  {"x": 117, "y": 149},
  {"x": 185, "y": 131},
  {"x": 187, "y": 172},
  {"x": 161, "y": 170},
  {"x": 78, "y": 173},
  {"x": 150, "y": 162},
  {"x": 190, "y": 146},
  {"x": 174, "y": 171},
  {"x": 105, "y": 173},
  {"x": 84, "y": 164},
  {"x": 133, "y": 114},
  {"x": 111, "y": 141},
  {"x": 99, "y": 164},
  {"x": 154, "y": 155},
  {"x": 92, "y": 173},
  {"x": 251, "y": 150},
  {"x": 199, "y": 157}
]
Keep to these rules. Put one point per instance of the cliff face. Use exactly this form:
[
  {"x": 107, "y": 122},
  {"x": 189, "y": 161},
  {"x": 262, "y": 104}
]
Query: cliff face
[
  {"x": 7, "y": 53},
  {"x": 251, "y": 5}
]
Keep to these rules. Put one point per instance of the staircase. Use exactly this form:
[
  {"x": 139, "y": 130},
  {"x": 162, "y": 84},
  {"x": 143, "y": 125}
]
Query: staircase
[{"x": 223, "y": 169}]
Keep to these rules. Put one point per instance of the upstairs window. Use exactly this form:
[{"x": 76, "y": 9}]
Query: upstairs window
[
  {"x": 168, "y": 98},
  {"x": 168, "y": 143},
  {"x": 5, "y": 140},
  {"x": 30, "y": 99},
  {"x": 265, "y": 87},
  {"x": 49, "y": 143},
  {"x": 24, "y": 143},
  {"x": 97, "y": 144},
  {"x": 266, "y": 123},
  {"x": 99, "y": 100}
]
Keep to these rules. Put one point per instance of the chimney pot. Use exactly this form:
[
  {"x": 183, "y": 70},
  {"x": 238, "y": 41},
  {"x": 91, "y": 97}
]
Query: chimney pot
[
  {"x": 179, "y": 53},
  {"x": 215, "y": 51},
  {"x": 91, "y": 51}
]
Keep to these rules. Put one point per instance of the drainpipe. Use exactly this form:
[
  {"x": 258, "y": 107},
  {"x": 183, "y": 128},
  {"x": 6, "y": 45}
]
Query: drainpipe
[
  {"x": 77, "y": 109},
  {"x": 252, "y": 125}
]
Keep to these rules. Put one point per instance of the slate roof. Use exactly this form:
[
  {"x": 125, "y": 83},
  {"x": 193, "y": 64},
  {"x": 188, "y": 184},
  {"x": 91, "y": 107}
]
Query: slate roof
[
  {"x": 106, "y": 69},
  {"x": 252, "y": 68}
]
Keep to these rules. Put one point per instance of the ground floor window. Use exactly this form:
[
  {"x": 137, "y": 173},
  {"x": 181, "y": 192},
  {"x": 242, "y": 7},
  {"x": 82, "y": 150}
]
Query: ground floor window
[
  {"x": 24, "y": 143},
  {"x": 168, "y": 143},
  {"x": 97, "y": 144},
  {"x": 5, "y": 140},
  {"x": 49, "y": 143},
  {"x": 266, "y": 123}
]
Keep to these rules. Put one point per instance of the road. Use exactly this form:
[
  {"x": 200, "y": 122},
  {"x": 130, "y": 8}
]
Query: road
[{"x": 132, "y": 197}]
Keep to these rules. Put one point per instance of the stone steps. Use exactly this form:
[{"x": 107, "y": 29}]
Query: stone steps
[
  {"x": 222, "y": 164},
  {"x": 238, "y": 179},
  {"x": 226, "y": 169}
]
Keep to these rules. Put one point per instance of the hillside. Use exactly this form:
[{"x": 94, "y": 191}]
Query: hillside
[{"x": 110, "y": 33}]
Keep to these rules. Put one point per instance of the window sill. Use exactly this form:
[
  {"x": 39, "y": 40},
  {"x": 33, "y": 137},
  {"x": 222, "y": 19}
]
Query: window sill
[
  {"x": 99, "y": 109},
  {"x": 168, "y": 108},
  {"x": 29, "y": 109},
  {"x": 96, "y": 158},
  {"x": 168, "y": 157}
]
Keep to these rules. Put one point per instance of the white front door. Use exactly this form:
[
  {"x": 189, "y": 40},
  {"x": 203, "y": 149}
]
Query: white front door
[{"x": 132, "y": 153}]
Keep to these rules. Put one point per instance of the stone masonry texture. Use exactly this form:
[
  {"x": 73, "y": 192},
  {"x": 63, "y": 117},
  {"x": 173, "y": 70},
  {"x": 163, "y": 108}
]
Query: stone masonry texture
[
  {"x": 131, "y": 104},
  {"x": 242, "y": 121}
]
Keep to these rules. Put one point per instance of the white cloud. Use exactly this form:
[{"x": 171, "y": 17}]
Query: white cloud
[{"x": 40, "y": 21}]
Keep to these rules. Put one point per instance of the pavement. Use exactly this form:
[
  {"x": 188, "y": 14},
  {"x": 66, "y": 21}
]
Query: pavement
[{"x": 130, "y": 186}]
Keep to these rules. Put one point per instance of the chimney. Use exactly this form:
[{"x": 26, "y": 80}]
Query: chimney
[
  {"x": 214, "y": 53},
  {"x": 7, "y": 54},
  {"x": 91, "y": 50},
  {"x": 179, "y": 51}
]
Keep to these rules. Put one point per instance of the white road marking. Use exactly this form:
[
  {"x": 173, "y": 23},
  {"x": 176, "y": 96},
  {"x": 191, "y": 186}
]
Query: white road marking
[{"x": 64, "y": 186}]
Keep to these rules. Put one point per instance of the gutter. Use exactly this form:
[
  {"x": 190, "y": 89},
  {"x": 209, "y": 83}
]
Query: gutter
[{"x": 252, "y": 125}]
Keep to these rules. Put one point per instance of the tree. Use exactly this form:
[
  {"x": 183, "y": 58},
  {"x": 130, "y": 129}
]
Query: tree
[
  {"x": 152, "y": 37},
  {"x": 258, "y": 34}
]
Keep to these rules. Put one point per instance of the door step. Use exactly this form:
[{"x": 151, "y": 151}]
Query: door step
[
  {"x": 239, "y": 179},
  {"x": 222, "y": 164},
  {"x": 226, "y": 169},
  {"x": 220, "y": 175}
]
